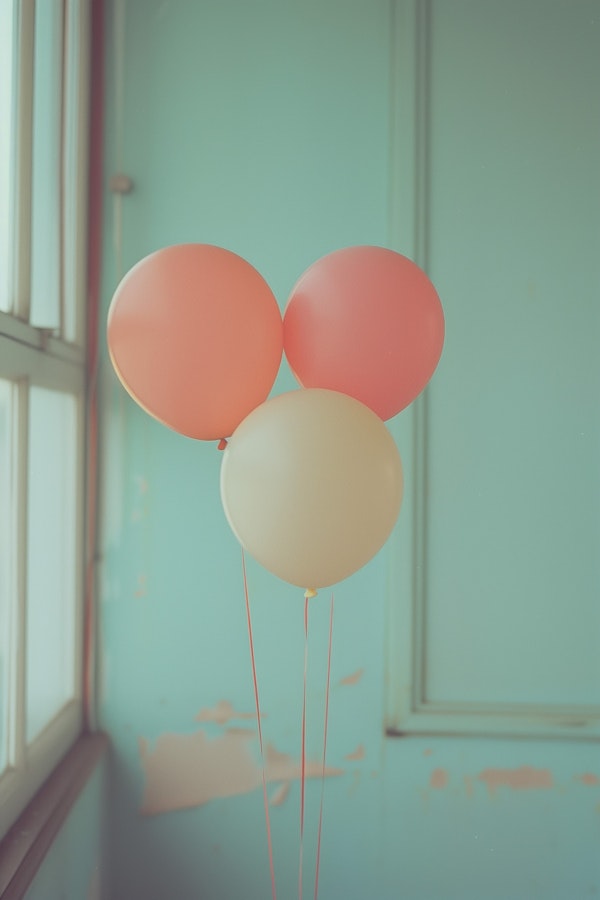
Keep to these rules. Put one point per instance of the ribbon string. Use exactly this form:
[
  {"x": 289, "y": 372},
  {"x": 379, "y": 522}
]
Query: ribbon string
[
  {"x": 303, "y": 753},
  {"x": 260, "y": 738},
  {"x": 303, "y": 741},
  {"x": 316, "y": 894}
]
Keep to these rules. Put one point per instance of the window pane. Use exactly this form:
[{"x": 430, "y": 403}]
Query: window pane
[
  {"x": 6, "y": 142},
  {"x": 5, "y": 560},
  {"x": 72, "y": 179},
  {"x": 51, "y": 558},
  {"x": 46, "y": 218}
]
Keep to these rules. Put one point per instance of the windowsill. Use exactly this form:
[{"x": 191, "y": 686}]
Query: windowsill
[{"x": 23, "y": 849}]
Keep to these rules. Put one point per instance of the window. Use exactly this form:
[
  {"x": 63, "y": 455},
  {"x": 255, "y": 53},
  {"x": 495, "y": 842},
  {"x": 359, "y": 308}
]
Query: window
[{"x": 44, "y": 54}]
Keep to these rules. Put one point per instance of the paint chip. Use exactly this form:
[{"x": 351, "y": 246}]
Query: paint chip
[
  {"x": 354, "y": 678},
  {"x": 589, "y": 779},
  {"x": 438, "y": 779},
  {"x": 222, "y": 713},
  {"x": 522, "y": 779},
  {"x": 357, "y": 754},
  {"x": 280, "y": 795}
]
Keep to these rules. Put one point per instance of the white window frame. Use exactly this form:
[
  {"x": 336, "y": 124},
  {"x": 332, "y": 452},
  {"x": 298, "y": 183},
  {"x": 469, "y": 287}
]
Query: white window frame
[
  {"x": 37, "y": 356},
  {"x": 407, "y": 708}
]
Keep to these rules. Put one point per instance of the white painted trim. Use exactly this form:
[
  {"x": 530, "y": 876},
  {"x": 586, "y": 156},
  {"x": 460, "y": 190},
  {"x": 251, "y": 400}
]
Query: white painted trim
[
  {"x": 82, "y": 163},
  {"x": 535, "y": 722},
  {"x": 21, "y": 281},
  {"x": 80, "y": 551},
  {"x": 20, "y": 361},
  {"x": 76, "y": 86},
  {"x": 40, "y": 339},
  {"x": 18, "y": 662}
]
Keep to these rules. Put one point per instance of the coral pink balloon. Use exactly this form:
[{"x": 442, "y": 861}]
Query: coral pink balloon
[
  {"x": 195, "y": 335},
  {"x": 368, "y": 322}
]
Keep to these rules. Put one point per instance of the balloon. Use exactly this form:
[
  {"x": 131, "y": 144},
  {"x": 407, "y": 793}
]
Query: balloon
[
  {"x": 368, "y": 322},
  {"x": 195, "y": 335},
  {"x": 311, "y": 484}
]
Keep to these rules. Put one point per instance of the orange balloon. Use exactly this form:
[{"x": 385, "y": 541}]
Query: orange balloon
[
  {"x": 195, "y": 336},
  {"x": 367, "y": 322}
]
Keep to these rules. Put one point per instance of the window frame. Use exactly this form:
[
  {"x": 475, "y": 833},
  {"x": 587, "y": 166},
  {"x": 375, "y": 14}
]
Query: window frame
[{"x": 48, "y": 358}]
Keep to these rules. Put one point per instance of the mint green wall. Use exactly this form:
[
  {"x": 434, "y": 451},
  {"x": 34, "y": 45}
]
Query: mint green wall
[{"x": 264, "y": 126}]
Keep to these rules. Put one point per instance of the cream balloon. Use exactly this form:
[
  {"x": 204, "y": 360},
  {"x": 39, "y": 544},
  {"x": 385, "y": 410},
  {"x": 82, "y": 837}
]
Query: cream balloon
[{"x": 311, "y": 484}]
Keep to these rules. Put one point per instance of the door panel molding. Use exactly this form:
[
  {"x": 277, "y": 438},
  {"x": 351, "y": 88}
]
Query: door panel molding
[{"x": 408, "y": 710}]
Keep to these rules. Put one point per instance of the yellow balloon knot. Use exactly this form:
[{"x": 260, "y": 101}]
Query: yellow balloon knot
[{"x": 309, "y": 593}]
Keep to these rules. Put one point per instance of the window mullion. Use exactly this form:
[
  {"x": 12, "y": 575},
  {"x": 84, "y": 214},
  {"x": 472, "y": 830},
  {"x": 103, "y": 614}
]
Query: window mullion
[
  {"x": 74, "y": 191},
  {"x": 62, "y": 160},
  {"x": 20, "y": 455},
  {"x": 23, "y": 160}
]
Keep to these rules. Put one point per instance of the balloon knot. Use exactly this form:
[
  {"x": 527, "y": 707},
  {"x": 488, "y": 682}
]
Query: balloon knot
[
  {"x": 222, "y": 444},
  {"x": 309, "y": 593}
]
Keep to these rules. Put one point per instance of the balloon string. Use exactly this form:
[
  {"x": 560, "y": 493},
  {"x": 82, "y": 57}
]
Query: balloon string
[
  {"x": 260, "y": 738},
  {"x": 303, "y": 754},
  {"x": 324, "y": 750}
]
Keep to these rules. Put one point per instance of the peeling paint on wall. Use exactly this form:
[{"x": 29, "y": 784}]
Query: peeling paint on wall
[
  {"x": 354, "y": 678},
  {"x": 438, "y": 779},
  {"x": 186, "y": 770},
  {"x": 521, "y": 779},
  {"x": 357, "y": 754},
  {"x": 189, "y": 770},
  {"x": 280, "y": 795},
  {"x": 589, "y": 779},
  {"x": 222, "y": 713}
]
